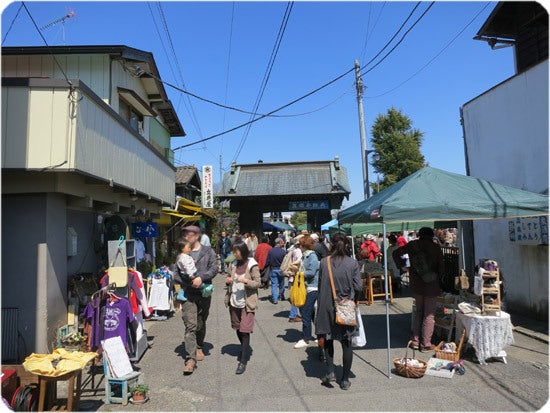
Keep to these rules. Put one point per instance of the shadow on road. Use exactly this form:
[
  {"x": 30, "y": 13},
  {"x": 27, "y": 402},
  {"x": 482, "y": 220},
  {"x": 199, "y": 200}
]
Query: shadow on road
[{"x": 291, "y": 335}]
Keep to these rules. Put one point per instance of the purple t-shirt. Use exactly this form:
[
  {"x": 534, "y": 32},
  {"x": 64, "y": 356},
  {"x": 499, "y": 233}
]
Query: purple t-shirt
[{"x": 117, "y": 315}]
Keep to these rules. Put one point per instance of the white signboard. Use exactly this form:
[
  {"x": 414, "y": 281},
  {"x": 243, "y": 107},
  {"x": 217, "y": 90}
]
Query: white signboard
[
  {"x": 529, "y": 231},
  {"x": 207, "y": 187}
]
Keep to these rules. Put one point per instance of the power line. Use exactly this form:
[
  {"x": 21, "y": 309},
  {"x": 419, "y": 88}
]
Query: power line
[
  {"x": 228, "y": 60},
  {"x": 400, "y": 40},
  {"x": 11, "y": 24},
  {"x": 161, "y": 41},
  {"x": 178, "y": 66},
  {"x": 313, "y": 91},
  {"x": 46, "y": 43},
  {"x": 261, "y": 114},
  {"x": 394, "y": 36},
  {"x": 367, "y": 34},
  {"x": 267, "y": 75},
  {"x": 435, "y": 57},
  {"x": 242, "y": 125}
]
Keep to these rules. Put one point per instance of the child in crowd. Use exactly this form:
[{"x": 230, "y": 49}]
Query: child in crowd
[{"x": 186, "y": 266}]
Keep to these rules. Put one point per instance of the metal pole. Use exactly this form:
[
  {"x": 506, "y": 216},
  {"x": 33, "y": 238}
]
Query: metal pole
[
  {"x": 364, "y": 154},
  {"x": 386, "y": 285}
]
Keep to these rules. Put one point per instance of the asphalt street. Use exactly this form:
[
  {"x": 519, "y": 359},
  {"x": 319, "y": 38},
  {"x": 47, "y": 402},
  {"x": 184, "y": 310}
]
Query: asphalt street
[{"x": 280, "y": 378}]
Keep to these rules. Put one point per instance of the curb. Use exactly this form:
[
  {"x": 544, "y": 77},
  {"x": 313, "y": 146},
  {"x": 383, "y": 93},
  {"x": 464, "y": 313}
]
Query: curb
[{"x": 532, "y": 334}]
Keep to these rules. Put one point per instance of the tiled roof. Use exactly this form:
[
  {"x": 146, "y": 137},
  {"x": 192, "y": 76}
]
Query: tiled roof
[
  {"x": 284, "y": 179},
  {"x": 185, "y": 174}
]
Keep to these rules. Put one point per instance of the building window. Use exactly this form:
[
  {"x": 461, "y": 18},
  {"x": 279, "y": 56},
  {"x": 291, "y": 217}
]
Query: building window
[{"x": 131, "y": 115}]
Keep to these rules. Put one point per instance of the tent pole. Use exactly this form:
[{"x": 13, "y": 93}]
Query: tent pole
[{"x": 385, "y": 246}]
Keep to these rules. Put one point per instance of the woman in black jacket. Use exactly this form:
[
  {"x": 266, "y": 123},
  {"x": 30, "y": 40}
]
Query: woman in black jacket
[{"x": 347, "y": 283}]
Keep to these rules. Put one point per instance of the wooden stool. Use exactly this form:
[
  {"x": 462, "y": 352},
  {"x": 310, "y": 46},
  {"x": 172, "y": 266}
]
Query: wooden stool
[
  {"x": 364, "y": 298},
  {"x": 73, "y": 396},
  {"x": 124, "y": 384},
  {"x": 379, "y": 277}
]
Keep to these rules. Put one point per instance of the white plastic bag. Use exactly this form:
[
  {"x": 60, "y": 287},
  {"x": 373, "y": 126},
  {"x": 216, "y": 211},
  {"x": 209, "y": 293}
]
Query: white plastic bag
[{"x": 359, "y": 338}]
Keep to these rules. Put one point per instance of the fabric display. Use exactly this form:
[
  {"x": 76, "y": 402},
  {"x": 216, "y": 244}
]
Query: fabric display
[
  {"x": 159, "y": 289},
  {"x": 58, "y": 363}
]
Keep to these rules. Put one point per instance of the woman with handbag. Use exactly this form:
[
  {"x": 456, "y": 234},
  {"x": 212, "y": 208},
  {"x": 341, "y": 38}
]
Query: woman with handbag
[
  {"x": 310, "y": 268},
  {"x": 339, "y": 285},
  {"x": 243, "y": 281}
]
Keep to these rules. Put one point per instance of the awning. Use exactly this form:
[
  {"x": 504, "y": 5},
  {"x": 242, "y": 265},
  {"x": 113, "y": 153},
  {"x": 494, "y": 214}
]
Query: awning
[
  {"x": 136, "y": 101},
  {"x": 186, "y": 210}
]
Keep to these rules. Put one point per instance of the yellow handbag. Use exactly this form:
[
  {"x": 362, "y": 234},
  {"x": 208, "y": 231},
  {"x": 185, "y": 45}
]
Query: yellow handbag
[{"x": 298, "y": 290}]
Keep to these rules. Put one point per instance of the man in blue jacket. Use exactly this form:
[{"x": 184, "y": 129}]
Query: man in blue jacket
[{"x": 275, "y": 258}]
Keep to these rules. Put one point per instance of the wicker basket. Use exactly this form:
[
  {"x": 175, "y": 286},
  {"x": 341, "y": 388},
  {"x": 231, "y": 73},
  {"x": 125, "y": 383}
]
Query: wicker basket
[
  {"x": 406, "y": 370},
  {"x": 450, "y": 355}
]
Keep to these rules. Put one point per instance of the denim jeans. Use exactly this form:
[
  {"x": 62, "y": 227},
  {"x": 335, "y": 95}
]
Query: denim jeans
[
  {"x": 308, "y": 312},
  {"x": 277, "y": 282},
  {"x": 293, "y": 312},
  {"x": 222, "y": 262}
]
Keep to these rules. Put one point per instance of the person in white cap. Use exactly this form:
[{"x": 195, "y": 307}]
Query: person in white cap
[{"x": 369, "y": 249}]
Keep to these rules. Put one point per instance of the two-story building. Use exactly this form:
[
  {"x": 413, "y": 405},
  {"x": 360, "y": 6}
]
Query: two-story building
[
  {"x": 85, "y": 137},
  {"x": 506, "y": 141}
]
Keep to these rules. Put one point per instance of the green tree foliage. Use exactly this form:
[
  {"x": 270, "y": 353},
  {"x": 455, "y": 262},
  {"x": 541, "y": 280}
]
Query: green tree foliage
[
  {"x": 397, "y": 147},
  {"x": 298, "y": 218}
]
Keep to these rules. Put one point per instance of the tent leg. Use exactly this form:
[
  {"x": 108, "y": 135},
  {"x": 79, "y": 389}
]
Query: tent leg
[{"x": 386, "y": 283}]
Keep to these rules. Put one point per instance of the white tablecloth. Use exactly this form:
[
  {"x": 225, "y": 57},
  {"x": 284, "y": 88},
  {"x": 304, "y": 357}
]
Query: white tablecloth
[{"x": 489, "y": 335}]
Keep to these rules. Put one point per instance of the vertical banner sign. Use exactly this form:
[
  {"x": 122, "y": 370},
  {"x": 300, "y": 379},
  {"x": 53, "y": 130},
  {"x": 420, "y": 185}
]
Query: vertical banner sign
[{"x": 207, "y": 187}]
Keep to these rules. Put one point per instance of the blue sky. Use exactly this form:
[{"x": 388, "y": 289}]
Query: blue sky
[{"x": 321, "y": 41}]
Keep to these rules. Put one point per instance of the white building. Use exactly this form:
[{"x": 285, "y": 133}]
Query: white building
[
  {"x": 506, "y": 141},
  {"x": 85, "y": 132}
]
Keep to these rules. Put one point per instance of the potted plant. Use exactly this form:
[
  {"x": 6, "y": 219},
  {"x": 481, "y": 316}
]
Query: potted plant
[
  {"x": 74, "y": 341},
  {"x": 139, "y": 393}
]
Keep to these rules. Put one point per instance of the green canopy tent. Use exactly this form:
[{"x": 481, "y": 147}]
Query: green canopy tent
[
  {"x": 376, "y": 227},
  {"x": 433, "y": 194}
]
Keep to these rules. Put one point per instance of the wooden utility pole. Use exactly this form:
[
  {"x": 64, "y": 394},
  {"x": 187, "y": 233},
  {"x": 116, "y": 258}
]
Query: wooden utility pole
[{"x": 364, "y": 153}]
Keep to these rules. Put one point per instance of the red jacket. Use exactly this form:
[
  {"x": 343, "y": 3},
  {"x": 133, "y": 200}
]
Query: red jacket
[
  {"x": 372, "y": 249},
  {"x": 261, "y": 254}
]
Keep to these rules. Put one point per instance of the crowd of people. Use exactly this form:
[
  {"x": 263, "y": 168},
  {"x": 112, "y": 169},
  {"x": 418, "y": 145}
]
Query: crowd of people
[{"x": 250, "y": 263}]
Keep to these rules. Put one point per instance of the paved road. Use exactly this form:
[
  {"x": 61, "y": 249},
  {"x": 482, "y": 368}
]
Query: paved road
[{"x": 281, "y": 378}]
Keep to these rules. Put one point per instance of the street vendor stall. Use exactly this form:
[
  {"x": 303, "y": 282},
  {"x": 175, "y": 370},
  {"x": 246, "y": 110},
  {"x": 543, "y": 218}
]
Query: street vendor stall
[{"x": 433, "y": 194}]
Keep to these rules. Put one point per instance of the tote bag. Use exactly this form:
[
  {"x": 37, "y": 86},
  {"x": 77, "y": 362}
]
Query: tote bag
[{"x": 298, "y": 290}]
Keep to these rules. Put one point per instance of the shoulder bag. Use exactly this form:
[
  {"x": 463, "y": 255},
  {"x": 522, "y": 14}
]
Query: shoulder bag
[{"x": 345, "y": 308}]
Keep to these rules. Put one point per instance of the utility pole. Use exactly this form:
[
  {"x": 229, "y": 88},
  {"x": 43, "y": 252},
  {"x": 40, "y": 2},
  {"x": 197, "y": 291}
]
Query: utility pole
[{"x": 364, "y": 153}]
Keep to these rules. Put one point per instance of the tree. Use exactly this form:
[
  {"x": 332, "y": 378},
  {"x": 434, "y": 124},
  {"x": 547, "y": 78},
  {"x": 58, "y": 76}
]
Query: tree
[
  {"x": 298, "y": 218},
  {"x": 397, "y": 147}
]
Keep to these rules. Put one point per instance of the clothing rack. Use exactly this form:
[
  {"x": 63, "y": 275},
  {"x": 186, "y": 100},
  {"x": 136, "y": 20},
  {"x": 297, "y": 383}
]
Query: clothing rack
[{"x": 103, "y": 290}]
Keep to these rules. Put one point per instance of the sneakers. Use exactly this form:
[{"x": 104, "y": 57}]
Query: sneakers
[
  {"x": 301, "y": 344},
  {"x": 199, "y": 355}
]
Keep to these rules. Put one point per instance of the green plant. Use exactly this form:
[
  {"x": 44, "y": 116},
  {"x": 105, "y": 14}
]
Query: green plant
[{"x": 142, "y": 389}]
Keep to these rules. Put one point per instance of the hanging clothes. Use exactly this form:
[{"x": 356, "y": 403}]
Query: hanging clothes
[
  {"x": 92, "y": 315},
  {"x": 117, "y": 316},
  {"x": 159, "y": 293}
]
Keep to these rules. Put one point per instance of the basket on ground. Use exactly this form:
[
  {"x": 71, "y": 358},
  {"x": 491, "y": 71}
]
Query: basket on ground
[
  {"x": 450, "y": 355},
  {"x": 413, "y": 370}
]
